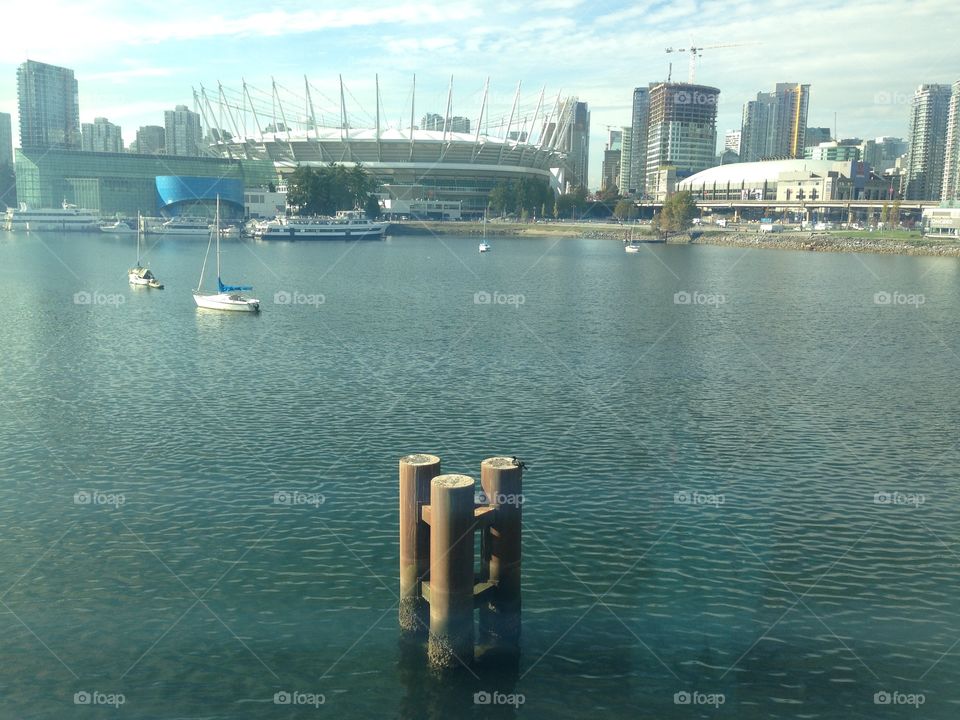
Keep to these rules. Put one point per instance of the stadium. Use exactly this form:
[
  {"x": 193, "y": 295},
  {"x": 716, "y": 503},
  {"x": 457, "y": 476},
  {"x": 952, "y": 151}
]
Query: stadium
[{"x": 435, "y": 161}]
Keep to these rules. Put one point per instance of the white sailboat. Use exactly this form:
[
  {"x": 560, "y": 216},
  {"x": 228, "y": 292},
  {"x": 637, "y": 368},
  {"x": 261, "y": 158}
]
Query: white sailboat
[
  {"x": 484, "y": 245},
  {"x": 227, "y": 297},
  {"x": 138, "y": 274}
]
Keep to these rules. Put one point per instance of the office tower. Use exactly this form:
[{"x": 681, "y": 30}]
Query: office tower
[
  {"x": 835, "y": 150},
  {"x": 774, "y": 125},
  {"x": 640, "y": 123},
  {"x": 928, "y": 137},
  {"x": 182, "y": 135},
  {"x": 151, "y": 140},
  {"x": 626, "y": 151},
  {"x": 882, "y": 153},
  {"x": 47, "y": 99},
  {"x": 682, "y": 134},
  {"x": 433, "y": 121},
  {"x": 951, "y": 163},
  {"x": 6, "y": 140},
  {"x": 610, "y": 172},
  {"x": 815, "y": 136},
  {"x": 731, "y": 141},
  {"x": 570, "y": 134},
  {"x": 101, "y": 136}
]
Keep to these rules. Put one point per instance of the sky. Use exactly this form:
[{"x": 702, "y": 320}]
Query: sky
[{"x": 135, "y": 60}]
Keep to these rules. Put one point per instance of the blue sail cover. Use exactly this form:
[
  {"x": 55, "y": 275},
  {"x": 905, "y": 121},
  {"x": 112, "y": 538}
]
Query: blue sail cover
[{"x": 232, "y": 288}]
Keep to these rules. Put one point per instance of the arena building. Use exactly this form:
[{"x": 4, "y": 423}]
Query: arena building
[
  {"x": 788, "y": 181},
  {"x": 414, "y": 165}
]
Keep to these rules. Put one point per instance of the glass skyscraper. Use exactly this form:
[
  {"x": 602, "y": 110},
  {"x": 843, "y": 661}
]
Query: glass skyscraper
[{"x": 48, "y": 103}]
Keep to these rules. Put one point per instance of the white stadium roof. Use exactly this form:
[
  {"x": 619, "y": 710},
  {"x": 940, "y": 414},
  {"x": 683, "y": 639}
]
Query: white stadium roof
[{"x": 756, "y": 173}]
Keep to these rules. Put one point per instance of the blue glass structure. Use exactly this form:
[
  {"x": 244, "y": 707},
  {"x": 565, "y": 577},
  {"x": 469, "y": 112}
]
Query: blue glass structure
[{"x": 186, "y": 195}]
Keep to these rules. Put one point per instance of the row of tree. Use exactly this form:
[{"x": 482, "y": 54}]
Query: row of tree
[
  {"x": 527, "y": 198},
  {"x": 325, "y": 190}
]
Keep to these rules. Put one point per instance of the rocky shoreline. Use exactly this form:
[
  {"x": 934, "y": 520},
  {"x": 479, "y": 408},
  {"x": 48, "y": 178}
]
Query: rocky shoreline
[
  {"x": 805, "y": 241},
  {"x": 826, "y": 242}
]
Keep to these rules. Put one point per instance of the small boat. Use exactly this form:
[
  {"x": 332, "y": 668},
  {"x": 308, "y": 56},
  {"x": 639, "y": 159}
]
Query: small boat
[
  {"x": 484, "y": 245},
  {"x": 117, "y": 228},
  {"x": 227, "y": 297},
  {"x": 632, "y": 247},
  {"x": 138, "y": 274}
]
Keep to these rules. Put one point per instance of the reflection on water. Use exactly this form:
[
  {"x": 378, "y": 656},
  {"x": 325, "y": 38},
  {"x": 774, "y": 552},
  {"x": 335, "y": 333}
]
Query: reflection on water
[{"x": 752, "y": 499}]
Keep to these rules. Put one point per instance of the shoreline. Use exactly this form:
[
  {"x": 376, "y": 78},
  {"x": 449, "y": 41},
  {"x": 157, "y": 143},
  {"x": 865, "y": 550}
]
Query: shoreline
[{"x": 826, "y": 241}]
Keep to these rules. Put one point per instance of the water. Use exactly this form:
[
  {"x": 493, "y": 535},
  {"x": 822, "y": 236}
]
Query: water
[{"x": 700, "y": 513}]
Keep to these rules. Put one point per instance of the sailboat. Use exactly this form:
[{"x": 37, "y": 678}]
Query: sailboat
[
  {"x": 484, "y": 245},
  {"x": 139, "y": 275},
  {"x": 227, "y": 297},
  {"x": 632, "y": 245}
]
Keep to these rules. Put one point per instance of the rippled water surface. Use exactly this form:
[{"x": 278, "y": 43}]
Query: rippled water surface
[{"x": 701, "y": 513}]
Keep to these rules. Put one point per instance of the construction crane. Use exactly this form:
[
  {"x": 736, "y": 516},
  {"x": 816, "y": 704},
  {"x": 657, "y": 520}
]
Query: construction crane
[{"x": 695, "y": 52}]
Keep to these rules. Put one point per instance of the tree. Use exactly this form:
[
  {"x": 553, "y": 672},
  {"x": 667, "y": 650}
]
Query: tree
[
  {"x": 885, "y": 214},
  {"x": 372, "y": 207},
  {"x": 676, "y": 216},
  {"x": 625, "y": 209},
  {"x": 895, "y": 214},
  {"x": 325, "y": 190}
]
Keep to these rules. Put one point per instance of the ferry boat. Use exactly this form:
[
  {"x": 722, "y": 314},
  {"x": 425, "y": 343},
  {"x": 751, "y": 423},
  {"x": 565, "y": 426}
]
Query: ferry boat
[
  {"x": 67, "y": 218},
  {"x": 347, "y": 225},
  {"x": 197, "y": 226}
]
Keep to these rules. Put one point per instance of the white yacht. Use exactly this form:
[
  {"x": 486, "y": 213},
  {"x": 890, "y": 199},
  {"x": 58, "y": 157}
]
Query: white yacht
[
  {"x": 484, "y": 245},
  {"x": 66, "y": 219},
  {"x": 196, "y": 226},
  {"x": 347, "y": 225},
  {"x": 227, "y": 297},
  {"x": 118, "y": 227},
  {"x": 138, "y": 274}
]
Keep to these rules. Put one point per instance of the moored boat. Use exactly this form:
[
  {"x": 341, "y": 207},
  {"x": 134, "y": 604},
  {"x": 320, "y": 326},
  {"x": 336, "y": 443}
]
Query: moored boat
[
  {"x": 348, "y": 225},
  {"x": 67, "y": 218}
]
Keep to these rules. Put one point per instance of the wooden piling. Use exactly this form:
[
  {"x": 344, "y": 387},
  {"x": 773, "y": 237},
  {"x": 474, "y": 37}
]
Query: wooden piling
[
  {"x": 502, "y": 481},
  {"x": 451, "y": 570},
  {"x": 416, "y": 472}
]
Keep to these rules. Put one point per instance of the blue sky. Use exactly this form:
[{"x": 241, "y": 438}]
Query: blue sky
[{"x": 132, "y": 61}]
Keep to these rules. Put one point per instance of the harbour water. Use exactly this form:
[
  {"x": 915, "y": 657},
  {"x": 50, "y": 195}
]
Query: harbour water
[{"x": 741, "y": 498}]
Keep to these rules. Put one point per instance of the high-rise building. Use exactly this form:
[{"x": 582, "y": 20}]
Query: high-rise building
[
  {"x": 101, "y": 136},
  {"x": 682, "y": 135},
  {"x": 882, "y": 153},
  {"x": 432, "y": 121},
  {"x": 612, "y": 154},
  {"x": 49, "y": 107},
  {"x": 774, "y": 125},
  {"x": 570, "y": 134},
  {"x": 950, "y": 191},
  {"x": 928, "y": 138},
  {"x": 182, "y": 135},
  {"x": 151, "y": 140},
  {"x": 626, "y": 152},
  {"x": 813, "y": 136},
  {"x": 640, "y": 124},
  {"x": 731, "y": 140},
  {"x": 6, "y": 139}
]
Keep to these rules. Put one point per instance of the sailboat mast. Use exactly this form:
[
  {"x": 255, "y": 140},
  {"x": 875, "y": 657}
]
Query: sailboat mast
[
  {"x": 216, "y": 229},
  {"x": 139, "y": 230}
]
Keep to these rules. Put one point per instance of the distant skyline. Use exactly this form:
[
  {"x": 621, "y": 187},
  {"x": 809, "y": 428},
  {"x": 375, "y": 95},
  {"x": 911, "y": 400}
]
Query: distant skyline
[{"x": 132, "y": 63}]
